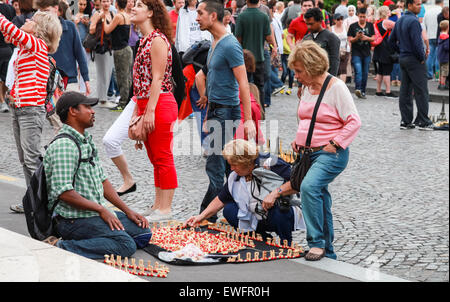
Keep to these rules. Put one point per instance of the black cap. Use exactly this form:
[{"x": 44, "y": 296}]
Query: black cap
[{"x": 73, "y": 99}]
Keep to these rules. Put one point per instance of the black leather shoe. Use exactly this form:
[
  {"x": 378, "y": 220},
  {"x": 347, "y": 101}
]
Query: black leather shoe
[{"x": 131, "y": 189}]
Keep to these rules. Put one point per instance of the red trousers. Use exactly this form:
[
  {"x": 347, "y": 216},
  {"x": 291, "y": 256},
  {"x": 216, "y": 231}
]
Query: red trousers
[{"x": 159, "y": 143}]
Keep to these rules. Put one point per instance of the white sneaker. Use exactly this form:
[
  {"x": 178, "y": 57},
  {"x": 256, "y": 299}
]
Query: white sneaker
[
  {"x": 4, "y": 107},
  {"x": 148, "y": 211},
  {"x": 107, "y": 104},
  {"x": 157, "y": 216}
]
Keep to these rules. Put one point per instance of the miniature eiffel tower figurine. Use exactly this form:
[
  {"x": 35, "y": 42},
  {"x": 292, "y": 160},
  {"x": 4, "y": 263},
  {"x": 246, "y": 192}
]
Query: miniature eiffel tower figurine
[{"x": 442, "y": 117}]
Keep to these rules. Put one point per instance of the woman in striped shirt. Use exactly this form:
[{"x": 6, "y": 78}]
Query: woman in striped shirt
[{"x": 38, "y": 37}]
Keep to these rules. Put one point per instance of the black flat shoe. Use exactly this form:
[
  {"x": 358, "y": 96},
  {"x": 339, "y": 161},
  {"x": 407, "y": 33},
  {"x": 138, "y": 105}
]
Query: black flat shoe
[{"x": 131, "y": 189}]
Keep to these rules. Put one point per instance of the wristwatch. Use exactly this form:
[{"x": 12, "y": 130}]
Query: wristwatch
[{"x": 279, "y": 191}]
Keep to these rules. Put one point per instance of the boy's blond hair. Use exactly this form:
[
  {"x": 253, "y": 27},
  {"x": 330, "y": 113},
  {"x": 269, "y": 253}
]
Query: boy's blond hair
[{"x": 443, "y": 25}]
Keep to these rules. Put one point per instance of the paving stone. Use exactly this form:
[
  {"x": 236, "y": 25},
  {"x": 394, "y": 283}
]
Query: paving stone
[{"x": 391, "y": 202}]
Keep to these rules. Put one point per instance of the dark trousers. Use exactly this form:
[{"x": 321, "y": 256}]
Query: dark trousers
[
  {"x": 282, "y": 223},
  {"x": 414, "y": 78},
  {"x": 258, "y": 79}
]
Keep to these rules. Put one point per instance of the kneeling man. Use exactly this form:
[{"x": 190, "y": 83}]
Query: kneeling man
[{"x": 88, "y": 227}]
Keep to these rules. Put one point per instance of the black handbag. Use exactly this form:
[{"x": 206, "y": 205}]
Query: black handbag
[{"x": 301, "y": 165}]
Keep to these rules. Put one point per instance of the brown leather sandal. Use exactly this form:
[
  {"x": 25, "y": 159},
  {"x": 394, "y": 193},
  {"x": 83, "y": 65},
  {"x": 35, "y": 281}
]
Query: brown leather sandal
[{"x": 314, "y": 257}]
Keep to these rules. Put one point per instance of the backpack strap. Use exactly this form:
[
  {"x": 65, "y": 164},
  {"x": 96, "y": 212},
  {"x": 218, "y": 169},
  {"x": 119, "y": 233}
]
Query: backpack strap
[{"x": 66, "y": 135}]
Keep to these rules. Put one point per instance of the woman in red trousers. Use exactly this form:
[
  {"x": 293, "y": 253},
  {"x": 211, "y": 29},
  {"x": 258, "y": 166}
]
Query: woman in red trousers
[{"x": 152, "y": 86}]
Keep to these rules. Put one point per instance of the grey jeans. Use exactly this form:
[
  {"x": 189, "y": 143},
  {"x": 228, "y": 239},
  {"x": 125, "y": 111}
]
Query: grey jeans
[{"x": 28, "y": 123}]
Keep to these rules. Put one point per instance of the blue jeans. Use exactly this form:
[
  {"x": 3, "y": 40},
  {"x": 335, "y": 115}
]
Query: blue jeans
[
  {"x": 222, "y": 124},
  {"x": 396, "y": 74},
  {"x": 316, "y": 200},
  {"x": 92, "y": 238},
  {"x": 286, "y": 70},
  {"x": 267, "y": 80},
  {"x": 282, "y": 223},
  {"x": 113, "y": 88},
  {"x": 275, "y": 82},
  {"x": 361, "y": 66},
  {"x": 198, "y": 113},
  {"x": 432, "y": 63}
]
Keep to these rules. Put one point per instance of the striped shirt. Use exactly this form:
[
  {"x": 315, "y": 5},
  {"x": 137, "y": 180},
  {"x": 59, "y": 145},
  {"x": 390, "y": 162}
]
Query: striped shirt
[
  {"x": 31, "y": 66},
  {"x": 60, "y": 165}
]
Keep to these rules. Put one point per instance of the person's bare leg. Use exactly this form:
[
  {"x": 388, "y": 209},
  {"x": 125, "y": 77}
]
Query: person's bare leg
[
  {"x": 3, "y": 90},
  {"x": 165, "y": 202},
  {"x": 387, "y": 83},
  {"x": 121, "y": 163},
  {"x": 379, "y": 80}
]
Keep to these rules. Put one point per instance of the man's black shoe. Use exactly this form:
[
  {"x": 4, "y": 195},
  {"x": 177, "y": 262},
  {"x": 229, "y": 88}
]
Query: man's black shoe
[{"x": 405, "y": 126}]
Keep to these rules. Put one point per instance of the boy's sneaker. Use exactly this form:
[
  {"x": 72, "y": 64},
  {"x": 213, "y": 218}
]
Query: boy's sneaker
[
  {"x": 429, "y": 127},
  {"x": 391, "y": 95},
  {"x": 358, "y": 93},
  {"x": 289, "y": 91},
  {"x": 363, "y": 95},
  {"x": 380, "y": 94},
  {"x": 405, "y": 126}
]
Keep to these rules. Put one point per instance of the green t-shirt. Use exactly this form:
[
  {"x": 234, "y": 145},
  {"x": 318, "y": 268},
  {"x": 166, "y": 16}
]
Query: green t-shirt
[{"x": 253, "y": 27}]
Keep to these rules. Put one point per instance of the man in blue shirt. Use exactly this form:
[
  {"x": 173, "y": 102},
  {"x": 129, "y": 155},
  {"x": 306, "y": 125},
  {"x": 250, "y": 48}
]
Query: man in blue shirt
[
  {"x": 226, "y": 83},
  {"x": 406, "y": 38}
]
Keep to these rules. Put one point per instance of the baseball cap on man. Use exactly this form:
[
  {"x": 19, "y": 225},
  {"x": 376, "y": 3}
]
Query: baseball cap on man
[{"x": 73, "y": 99}]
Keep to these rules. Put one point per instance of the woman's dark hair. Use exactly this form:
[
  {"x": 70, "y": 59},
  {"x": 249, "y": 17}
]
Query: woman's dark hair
[
  {"x": 26, "y": 6},
  {"x": 62, "y": 9},
  {"x": 88, "y": 9},
  {"x": 160, "y": 18},
  {"x": 186, "y": 4},
  {"x": 122, "y": 4}
]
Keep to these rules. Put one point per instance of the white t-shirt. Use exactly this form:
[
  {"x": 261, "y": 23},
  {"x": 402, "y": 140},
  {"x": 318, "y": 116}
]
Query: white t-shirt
[{"x": 195, "y": 33}]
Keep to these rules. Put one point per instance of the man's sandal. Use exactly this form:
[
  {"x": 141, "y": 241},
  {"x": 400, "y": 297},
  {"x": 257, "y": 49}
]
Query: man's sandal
[{"x": 314, "y": 257}]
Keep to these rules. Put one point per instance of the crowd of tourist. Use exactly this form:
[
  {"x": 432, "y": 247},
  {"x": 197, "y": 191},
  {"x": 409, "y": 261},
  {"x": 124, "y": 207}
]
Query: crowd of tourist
[{"x": 235, "y": 56}]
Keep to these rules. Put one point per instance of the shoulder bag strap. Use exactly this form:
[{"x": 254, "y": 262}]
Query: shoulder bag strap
[{"x": 316, "y": 108}]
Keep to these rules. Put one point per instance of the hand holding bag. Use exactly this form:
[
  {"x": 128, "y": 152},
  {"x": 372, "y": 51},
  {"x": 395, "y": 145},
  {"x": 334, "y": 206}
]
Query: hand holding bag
[
  {"x": 136, "y": 130},
  {"x": 301, "y": 165}
]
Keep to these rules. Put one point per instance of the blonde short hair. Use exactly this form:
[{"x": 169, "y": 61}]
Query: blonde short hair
[
  {"x": 313, "y": 57},
  {"x": 443, "y": 25},
  {"x": 383, "y": 12},
  {"x": 240, "y": 152},
  {"x": 48, "y": 28}
]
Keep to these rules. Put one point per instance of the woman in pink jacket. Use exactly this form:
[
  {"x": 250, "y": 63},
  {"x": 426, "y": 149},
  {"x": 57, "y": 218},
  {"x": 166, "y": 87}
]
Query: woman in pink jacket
[{"x": 337, "y": 124}]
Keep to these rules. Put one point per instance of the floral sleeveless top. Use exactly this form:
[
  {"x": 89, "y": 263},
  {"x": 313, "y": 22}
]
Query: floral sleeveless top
[{"x": 142, "y": 68}]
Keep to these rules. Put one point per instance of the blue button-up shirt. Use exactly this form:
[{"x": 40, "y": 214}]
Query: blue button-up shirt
[{"x": 406, "y": 38}]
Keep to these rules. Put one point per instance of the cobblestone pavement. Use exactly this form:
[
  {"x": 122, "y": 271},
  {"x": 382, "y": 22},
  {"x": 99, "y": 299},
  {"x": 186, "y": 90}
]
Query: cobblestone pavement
[{"x": 390, "y": 205}]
